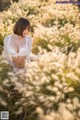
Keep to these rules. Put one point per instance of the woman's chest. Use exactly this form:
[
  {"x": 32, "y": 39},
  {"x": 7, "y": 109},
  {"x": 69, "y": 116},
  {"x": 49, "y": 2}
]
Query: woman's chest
[{"x": 18, "y": 45}]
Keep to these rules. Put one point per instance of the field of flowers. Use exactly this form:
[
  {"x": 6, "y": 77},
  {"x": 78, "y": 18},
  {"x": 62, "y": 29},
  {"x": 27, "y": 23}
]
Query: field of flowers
[{"x": 49, "y": 88}]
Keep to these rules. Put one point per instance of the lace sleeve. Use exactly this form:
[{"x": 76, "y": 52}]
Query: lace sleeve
[{"x": 6, "y": 55}]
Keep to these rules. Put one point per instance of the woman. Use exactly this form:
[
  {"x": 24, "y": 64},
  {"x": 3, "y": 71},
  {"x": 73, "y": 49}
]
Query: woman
[{"x": 18, "y": 46}]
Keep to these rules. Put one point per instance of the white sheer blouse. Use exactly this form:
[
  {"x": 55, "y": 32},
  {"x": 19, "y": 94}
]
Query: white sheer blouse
[{"x": 23, "y": 51}]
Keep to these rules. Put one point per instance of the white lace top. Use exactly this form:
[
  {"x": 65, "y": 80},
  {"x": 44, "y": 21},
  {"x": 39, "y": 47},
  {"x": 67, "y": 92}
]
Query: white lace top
[{"x": 23, "y": 51}]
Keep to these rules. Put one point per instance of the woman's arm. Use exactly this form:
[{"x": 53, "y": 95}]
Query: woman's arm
[
  {"x": 32, "y": 56},
  {"x": 6, "y": 55}
]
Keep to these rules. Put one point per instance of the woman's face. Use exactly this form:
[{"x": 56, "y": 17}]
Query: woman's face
[{"x": 25, "y": 32}]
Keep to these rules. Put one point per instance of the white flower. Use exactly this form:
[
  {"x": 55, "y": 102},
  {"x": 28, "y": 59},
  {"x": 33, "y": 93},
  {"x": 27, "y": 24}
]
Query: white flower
[
  {"x": 70, "y": 89},
  {"x": 11, "y": 74},
  {"x": 75, "y": 102},
  {"x": 19, "y": 111},
  {"x": 28, "y": 94},
  {"x": 70, "y": 107},
  {"x": 55, "y": 89},
  {"x": 79, "y": 113},
  {"x": 3, "y": 102}
]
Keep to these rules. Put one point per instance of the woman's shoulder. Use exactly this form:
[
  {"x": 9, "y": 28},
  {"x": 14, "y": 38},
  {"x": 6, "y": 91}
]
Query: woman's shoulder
[
  {"x": 29, "y": 38},
  {"x": 6, "y": 38}
]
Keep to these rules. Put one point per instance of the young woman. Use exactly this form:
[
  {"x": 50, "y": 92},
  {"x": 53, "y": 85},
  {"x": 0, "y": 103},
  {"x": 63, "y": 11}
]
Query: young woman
[{"x": 18, "y": 46}]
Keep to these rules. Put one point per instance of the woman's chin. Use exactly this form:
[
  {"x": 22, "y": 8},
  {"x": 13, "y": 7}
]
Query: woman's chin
[{"x": 24, "y": 35}]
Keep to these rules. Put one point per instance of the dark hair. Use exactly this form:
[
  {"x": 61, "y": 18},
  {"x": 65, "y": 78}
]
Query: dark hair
[{"x": 21, "y": 25}]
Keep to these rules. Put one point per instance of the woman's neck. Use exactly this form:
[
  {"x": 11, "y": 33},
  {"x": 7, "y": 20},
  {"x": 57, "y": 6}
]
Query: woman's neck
[
  {"x": 15, "y": 36},
  {"x": 20, "y": 37}
]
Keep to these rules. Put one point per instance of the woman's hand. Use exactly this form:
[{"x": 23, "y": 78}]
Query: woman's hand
[{"x": 19, "y": 61}]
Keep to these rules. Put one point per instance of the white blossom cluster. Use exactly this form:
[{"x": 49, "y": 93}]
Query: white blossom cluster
[
  {"x": 52, "y": 24},
  {"x": 50, "y": 84}
]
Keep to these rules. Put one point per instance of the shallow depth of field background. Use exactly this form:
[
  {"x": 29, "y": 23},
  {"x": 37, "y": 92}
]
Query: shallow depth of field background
[{"x": 49, "y": 89}]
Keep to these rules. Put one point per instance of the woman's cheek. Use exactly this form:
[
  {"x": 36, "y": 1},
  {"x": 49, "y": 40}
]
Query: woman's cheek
[{"x": 25, "y": 32}]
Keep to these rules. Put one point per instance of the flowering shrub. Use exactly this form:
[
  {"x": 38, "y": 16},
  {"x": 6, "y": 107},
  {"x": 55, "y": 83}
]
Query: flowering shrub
[
  {"x": 67, "y": 38},
  {"x": 49, "y": 83},
  {"x": 62, "y": 28}
]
